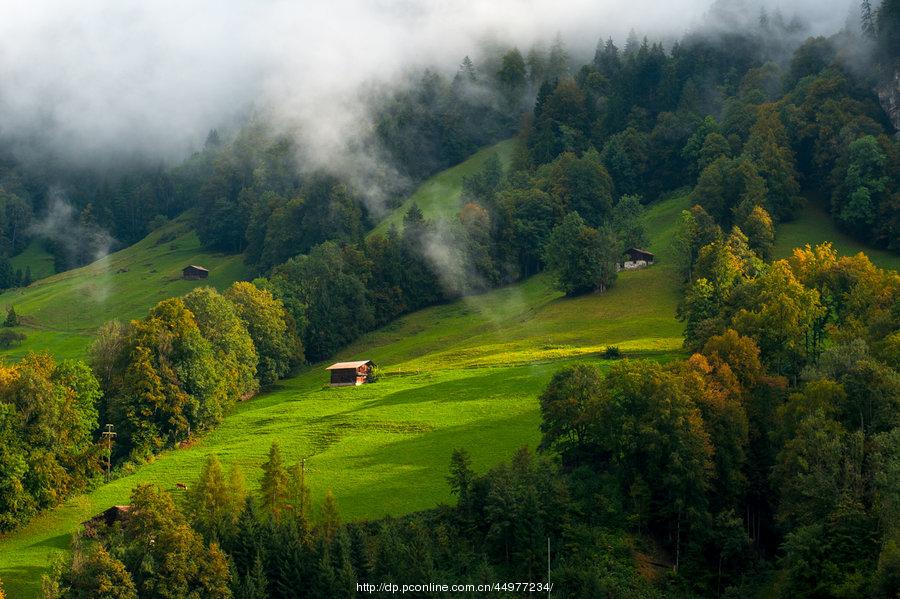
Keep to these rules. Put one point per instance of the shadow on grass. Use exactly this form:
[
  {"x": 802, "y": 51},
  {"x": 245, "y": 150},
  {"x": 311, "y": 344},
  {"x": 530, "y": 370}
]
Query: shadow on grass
[
  {"x": 503, "y": 382},
  {"x": 58, "y": 542}
]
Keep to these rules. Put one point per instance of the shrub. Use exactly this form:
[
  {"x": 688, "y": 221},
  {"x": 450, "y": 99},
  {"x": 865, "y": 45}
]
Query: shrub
[
  {"x": 10, "y": 338},
  {"x": 612, "y": 352}
]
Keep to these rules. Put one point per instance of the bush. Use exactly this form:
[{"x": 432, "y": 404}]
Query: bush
[
  {"x": 10, "y": 338},
  {"x": 613, "y": 352},
  {"x": 157, "y": 222},
  {"x": 374, "y": 374}
]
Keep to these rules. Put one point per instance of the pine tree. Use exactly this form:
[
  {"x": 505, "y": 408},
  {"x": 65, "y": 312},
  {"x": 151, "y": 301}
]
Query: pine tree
[
  {"x": 769, "y": 149},
  {"x": 298, "y": 493},
  {"x": 461, "y": 475},
  {"x": 12, "y": 319},
  {"x": 867, "y": 21},
  {"x": 274, "y": 485},
  {"x": 289, "y": 563},
  {"x": 254, "y": 584},
  {"x": 345, "y": 576},
  {"x": 247, "y": 545},
  {"x": 468, "y": 71},
  {"x": 558, "y": 62},
  {"x": 329, "y": 517},
  {"x": 214, "y": 503},
  {"x": 144, "y": 408}
]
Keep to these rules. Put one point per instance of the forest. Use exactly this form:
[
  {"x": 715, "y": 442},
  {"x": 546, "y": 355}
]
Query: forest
[{"x": 764, "y": 461}]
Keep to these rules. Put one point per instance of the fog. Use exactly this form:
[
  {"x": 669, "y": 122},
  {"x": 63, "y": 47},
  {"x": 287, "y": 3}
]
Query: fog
[{"x": 119, "y": 78}]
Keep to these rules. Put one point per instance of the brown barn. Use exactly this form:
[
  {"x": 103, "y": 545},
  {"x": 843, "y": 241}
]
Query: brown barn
[
  {"x": 636, "y": 258},
  {"x": 193, "y": 273},
  {"x": 350, "y": 373},
  {"x": 116, "y": 513},
  {"x": 635, "y": 254}
]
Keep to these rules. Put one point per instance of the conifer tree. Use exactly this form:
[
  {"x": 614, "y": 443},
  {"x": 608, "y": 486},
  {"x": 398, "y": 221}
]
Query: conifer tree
[
  {"x": 274, "y": 485},
  {"x": 298, "y": 492},
  {"x": 253, "y": 585},
  {"x": 769, "y": 149},
  {"x": 867, "y": 21},
  {"x": 329, "y": 517},
  {"x": 144, "y": 406},
  {"x": 215, "y": 503},
  {"x": 12, "y": 318}
]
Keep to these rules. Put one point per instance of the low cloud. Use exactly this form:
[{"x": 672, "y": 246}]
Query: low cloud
[
  {"x": 77, "y": 242},
  {"x": 107, "y": 79}
]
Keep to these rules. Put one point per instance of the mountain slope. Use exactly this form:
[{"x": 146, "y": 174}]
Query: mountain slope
[
  {"x": 439, "y": 196},
  {"x": 62, "y": 311},
  {"x": 35, "y": 258},
  {"x": 813, "y": 226},
  {"x": 465, "y": 374}
]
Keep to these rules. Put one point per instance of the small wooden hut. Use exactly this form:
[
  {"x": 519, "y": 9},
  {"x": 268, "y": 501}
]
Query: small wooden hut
[
  {"x": 637, "y": 258},
  {"x": 350, "y": 373},
  {"x": 106, "y": 518},
  {"x": 193, "y": 272}
]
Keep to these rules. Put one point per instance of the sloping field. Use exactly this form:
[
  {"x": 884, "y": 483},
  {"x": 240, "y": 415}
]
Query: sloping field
[
  {"x": 62, "y": 311},
  {"x": 465, "y": 374},
  {"x": 439, "y": 196},
  {"x": 36, "y": 258},
  {"x": 814, "y": 226}
]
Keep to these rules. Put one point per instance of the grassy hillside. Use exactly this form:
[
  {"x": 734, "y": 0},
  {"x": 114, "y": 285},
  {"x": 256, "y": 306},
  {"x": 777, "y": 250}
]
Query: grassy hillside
[
  {"x": 62, "y": 311},
  {"x": 439, "y": 196},
  {"x": 814, "y": 226},
  {"x": 35, "y": 257},
  {"x": 466, "y": 374}
]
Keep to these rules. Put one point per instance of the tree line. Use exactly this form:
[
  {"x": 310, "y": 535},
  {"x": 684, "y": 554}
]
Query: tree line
[
  {"x": 754, "y": 465},
  {"x": 159, "y": 380}
]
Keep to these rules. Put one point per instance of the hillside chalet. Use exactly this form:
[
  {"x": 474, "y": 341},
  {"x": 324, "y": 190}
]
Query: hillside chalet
[
  {"x": 193, "y": 273},
  {"x": 351, "y": 373},
  {"x": 106, "y": 518},
  {"x": 637, "y": 258}
]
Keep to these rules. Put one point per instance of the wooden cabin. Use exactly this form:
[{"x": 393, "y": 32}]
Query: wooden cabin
[
  {"x": 106, "y": 518},
  {"x": 193, "y": 273},
  {"x": 350, "y": 373},
  {"x": 637, "y": 258}
]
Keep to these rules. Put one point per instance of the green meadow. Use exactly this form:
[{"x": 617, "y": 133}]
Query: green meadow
[
  {"x": 36, "y": 258},
  {"x": 813, "y": 226},
  {"x": 465, "y": 374},
  {"x": 439, "y": 196},
  {"x": 60, "y": 313}
]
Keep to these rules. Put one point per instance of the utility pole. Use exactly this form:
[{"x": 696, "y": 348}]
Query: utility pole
[
  {"x": 108, "y": 435},
  {"x": 548, "y": 566}
]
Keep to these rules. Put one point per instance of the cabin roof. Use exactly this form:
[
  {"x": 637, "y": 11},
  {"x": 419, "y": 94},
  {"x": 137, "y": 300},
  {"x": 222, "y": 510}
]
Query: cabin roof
[
  {"x": 343, "y": 365},
  {"x": 110, "y": 514},
  {"x": 638, "y": 251},
  {"x": 195, "y": 267}
]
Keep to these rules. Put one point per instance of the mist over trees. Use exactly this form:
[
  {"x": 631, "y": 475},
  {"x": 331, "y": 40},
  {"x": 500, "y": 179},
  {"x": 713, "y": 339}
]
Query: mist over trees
[{"x": 762, "y": 461}]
